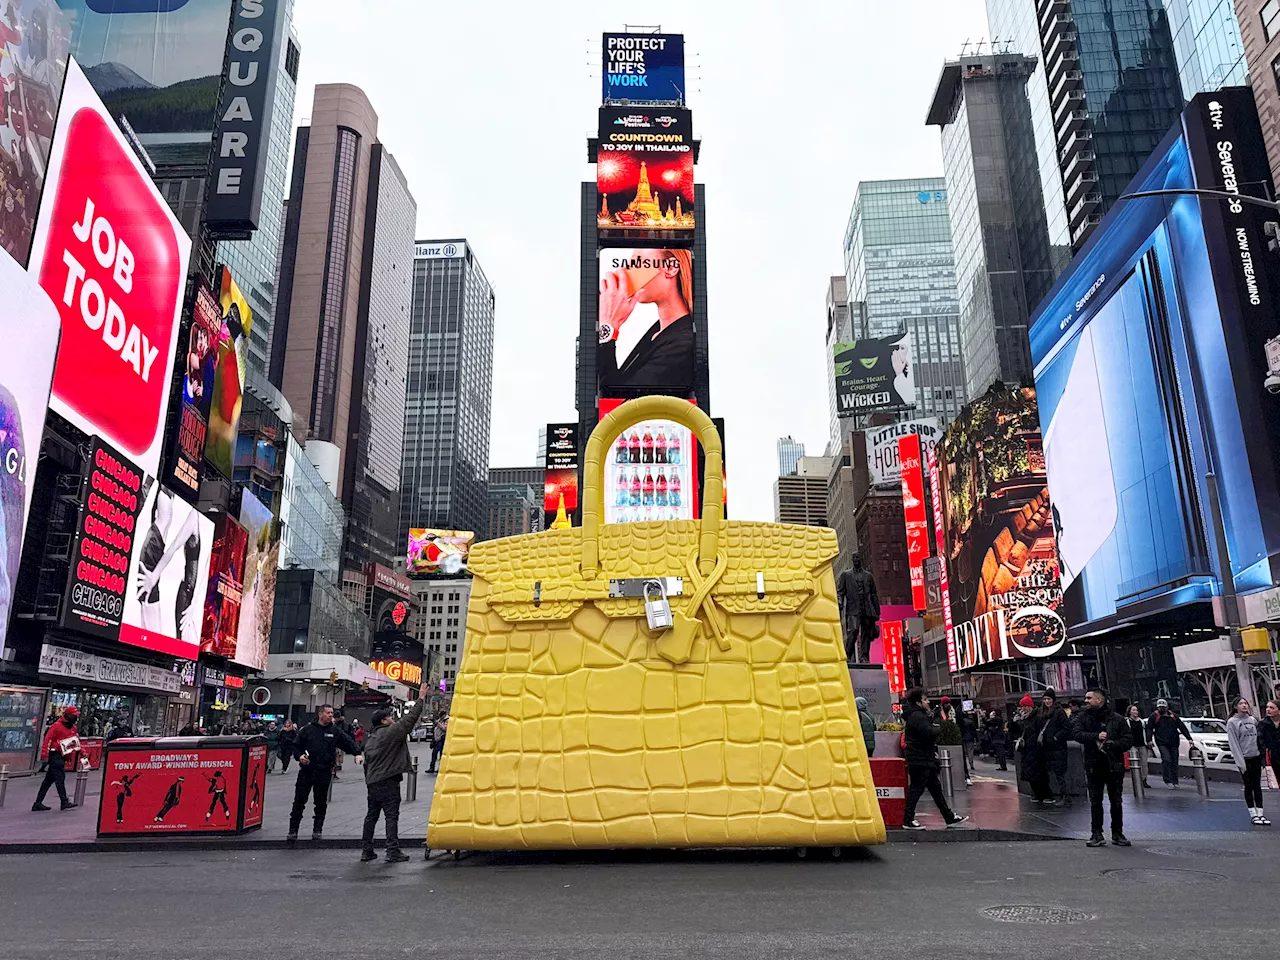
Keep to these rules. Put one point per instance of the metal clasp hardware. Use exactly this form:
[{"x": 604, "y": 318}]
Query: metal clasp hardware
[
  {"x": 537, "y": 594},
  {"x": 657, "y": 612}
]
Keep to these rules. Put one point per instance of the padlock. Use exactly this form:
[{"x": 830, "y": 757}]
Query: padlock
[{"x": 657, "y": 612}]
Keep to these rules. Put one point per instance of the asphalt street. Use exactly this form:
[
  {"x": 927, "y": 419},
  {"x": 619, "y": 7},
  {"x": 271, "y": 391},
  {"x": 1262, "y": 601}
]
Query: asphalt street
[{"x": 1200, "y": 897}]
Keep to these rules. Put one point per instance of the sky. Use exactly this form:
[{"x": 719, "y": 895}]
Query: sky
[{"x": 487, "y": 107}]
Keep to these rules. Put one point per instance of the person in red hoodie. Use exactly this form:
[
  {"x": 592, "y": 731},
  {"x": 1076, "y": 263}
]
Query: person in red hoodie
[{"x": 61, "y": 747}]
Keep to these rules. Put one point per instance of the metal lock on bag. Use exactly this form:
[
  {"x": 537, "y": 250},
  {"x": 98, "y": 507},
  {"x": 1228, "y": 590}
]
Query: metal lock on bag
[{"x": 657, "y": 611}]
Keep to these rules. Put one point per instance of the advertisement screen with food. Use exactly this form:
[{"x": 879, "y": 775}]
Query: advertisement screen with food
[
  {"x": 434, "y": 551},
  {"x": 650, "y": 472},
  {"x": 646, "y": 329},
  {"x": 1005, "y": 589}
]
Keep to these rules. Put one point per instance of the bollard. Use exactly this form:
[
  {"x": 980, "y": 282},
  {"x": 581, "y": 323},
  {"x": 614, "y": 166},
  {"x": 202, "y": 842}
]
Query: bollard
[
  {"x": 411, "y": 792},
  {"x": 1198, "y": 772},
  {"x": 4, "y": 782},
  {"x": 331, "y": 787},
  {"x": 1136, "y": 773},
  {"x": 82, "y": 782},
  {"x": 948, "y": 787}
]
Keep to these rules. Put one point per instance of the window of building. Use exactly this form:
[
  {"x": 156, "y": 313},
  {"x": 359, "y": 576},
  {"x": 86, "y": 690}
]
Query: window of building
[{"x": 1270, "y": 14}]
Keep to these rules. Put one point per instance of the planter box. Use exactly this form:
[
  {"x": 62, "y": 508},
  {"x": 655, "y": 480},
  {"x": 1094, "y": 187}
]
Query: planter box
[{"x": 888, "y": 744}]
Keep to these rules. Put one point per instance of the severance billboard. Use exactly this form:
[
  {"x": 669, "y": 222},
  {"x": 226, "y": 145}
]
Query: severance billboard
[
  {"x": 873, "y": 374},
  {"x": 646, "y": 67},
  {"x": 646, "y": 330},
  {"x": 644, "y": 171},
  {"x": 1003, "y": 564},
  {"x": 29, "y": 330},
  {"x": 113, "y": 258},
  {"x": 34, "y": 41}
]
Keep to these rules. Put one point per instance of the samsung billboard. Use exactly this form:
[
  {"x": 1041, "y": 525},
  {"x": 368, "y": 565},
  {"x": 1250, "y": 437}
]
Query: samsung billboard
[{"x": 1150, "y": 364}]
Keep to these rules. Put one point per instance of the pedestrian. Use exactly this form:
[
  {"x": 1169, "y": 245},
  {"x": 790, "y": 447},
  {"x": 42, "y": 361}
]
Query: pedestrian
[
  {"x": 438, "y": 732},
  {"x": 61, "y": 748},
  {"x": 1104, "y": 734},
  {"x": 188, "y": 731},
  {"x": 357, "y": 732},
  {"x": 120, "y": 730},
  {"x": 868, "y": 725},
  {"x": 1164, "y": 728},
  {"x": 317, "y": 748},
  {"x": 920, "y": 731},
  {"x": 997, "y": 738},
  {"x": 1269, "y": 740},
  {"x": 273, "y": 745},
  {"x": 340, "y": 721},
  {"x": 1242, "y": 735},
  {"x": 1044, "y": 749},
  {"x": 1138, "y": 733},
  {"x": 969, "y": 744},
  {"x": 288, "y": 737},
  {"x": 386, "y": 761}
]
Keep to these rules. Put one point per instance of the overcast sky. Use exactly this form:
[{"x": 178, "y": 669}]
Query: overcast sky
[{"x": 487, "y": 107}]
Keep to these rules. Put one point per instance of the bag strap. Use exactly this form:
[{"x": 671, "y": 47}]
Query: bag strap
[{"x": 603, "y": 436}]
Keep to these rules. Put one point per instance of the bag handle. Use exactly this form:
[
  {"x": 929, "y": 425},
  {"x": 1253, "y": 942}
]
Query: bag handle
[{"x": 602, "y": 438}]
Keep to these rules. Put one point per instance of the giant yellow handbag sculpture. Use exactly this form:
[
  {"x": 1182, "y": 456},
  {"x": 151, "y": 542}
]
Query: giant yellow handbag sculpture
[{"x": 575, "y": 725}]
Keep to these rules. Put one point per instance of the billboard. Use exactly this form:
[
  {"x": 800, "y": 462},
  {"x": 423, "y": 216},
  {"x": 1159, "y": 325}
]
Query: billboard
[
  {"x": 112, "y": 493},
  {"x": 895, "y": 662},
  {"x": 914, "y": 510},
  {"x": 29, "y": 329},
  {"x": 563, "y": 459},
  {"x": 156, "y": 62},
  {"x": 874, "y": 374},
  {"x": 646, "y": 331},
  {"x": 34, "y": 41},
  {"x": 438, "y": 551},
  {"x": 399, "y": 657},
  {"x": 221, "y": 627},
  {"x": 261, "y": 562},
  {"x": 644, "y": 171},
  {"x": 168, "y": 576},
  {"x": 203, "y": 335},
  {"x": 643, "y": 66},
  {"x": 1004, "y": 587},
  {"x": 882, "y": 448},
  {"x": 1150, "y": 362},
  {"x": 231, "y": 353},
  {"x": 167, "y": 790},
  {"x": 940, "y": 538},
  {"x": 113, "y": 259},
  {"x": 650, "y": 472}
]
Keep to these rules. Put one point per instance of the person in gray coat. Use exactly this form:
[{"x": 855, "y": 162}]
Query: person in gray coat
[
  {"x": 386, "y": 760},
  {"x": 1242, "y": 735}
]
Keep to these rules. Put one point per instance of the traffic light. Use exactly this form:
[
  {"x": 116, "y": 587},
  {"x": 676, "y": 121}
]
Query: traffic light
[{"x": 333, "y": 677}]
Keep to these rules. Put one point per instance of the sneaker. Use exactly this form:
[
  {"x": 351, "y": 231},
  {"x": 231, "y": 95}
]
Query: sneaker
[
  {"x": 367, "y": 855},
  {"x": 397, "y": 856},
  {"x": 292, "y": 837},
  {"x": 1120, "y": 840},
  {"x": 69, "y": 805},
  {"x": 39, "y": 807},
  {"x": 956, "y": 821},
  {"x": 913, "y": 825},
  {"x": 1096, "y": 841},
  {"x": 968, "y": 781},
  {"x": 316, "y": 835}
]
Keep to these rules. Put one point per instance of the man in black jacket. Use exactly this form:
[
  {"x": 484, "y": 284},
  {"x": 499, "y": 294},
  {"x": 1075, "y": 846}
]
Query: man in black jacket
[
  {"x": 921, "y": 753},
  {"x": 386, "y": 760},
  {"x": 1104, "y": 734},
  {"x": 1164, "y": 728},
  {"x": 316, "y": 751}
]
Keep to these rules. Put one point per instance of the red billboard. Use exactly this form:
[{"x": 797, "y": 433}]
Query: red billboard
[
  {"x": 895, "y": 664},
  {"x": 913, "y": 508},
  {"x": 226, "y": 588},
  {"x": 939, "y": 533},
  {"x": 172, "y": 790},
  {"x": 113, "y": 259}
]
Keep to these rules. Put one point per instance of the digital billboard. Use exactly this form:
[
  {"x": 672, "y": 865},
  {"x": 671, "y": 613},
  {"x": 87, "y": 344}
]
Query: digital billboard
[
  {"x": 168, "y": 576},
  {"x": 650, "y": 472},
  {"x": 562, "y": 462},
  {"x": 221, "y": 628},
  {"x": 643, "y": 66},
  {"x": 34, "y": 40},
  {"x": 113, "y": 259},
  {"x": 646, "y": 330},
  {"x": 917, "y": 524},
  {"x": 203, "y": 335},
  {"x": 29, "y": 330},
  {"x": 873, "y": 374},
  {"x": 882, "y": 448},
  {"x": 1003, "y": 584},
  {"x": 438, "y": 551},
  {"x": 156, "y": 62},
  {"x": 644, "y": 171},
  {"x": 1150, "y": 364},
  {"x": 262, "y": 560},
  {"x": 399, "y": 657},
  {"x": 232, "y": 358}
]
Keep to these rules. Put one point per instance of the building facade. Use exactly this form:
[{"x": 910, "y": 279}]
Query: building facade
[
  {"x": 445, "y": 465},
  {"x": 1259, "y": 22},
  {"x": 882, "y": 544},
  {"x": 440, "y": 621},
  {"x": 1000, "y": 238},
  {"x": 899, "y": 269},
  {"x": 802, "y": 496},
  {"x": 839, "y": 330},
  {"x": 789, "y": 453},
  {"x": 311, "y": 517},
  {"x": 1208, "y": 45}
]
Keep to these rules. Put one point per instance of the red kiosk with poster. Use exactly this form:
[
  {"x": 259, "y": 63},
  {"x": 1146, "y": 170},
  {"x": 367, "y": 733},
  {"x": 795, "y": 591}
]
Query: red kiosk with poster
[{"x": 182, "y": 785}]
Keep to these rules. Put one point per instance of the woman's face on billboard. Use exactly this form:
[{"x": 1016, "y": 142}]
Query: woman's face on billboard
[
  {"x": 664, "y": 285},
  {"x": 901, "y": 359}
]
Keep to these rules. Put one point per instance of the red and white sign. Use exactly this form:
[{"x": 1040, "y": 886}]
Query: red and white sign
[
  {"x": 172, "y": 788},
  {"x": 113, "y": 259},
  {"x": 914, "y": 509},
  {"x": 895, "y": 663},
  {"x": 953, "y": 663},
  {"x": 889, "y": 774}
]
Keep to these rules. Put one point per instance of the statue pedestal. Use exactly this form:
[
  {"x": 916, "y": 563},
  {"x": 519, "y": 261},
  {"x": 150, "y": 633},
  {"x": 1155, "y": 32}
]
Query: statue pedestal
[{"x": 870, "y": 680}]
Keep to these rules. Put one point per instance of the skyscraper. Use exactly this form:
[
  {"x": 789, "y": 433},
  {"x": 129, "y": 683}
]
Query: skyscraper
[
  {"x": 338, "y": 351},
  {"x": 839, "y": 330},
  {"x": 445, "y": 472},
  {"x": 900, "y": 276},
  {"x": 999, "y": 235},
  {"x": 1207, "y": 43},
  {"x": 802, "y": 496}
]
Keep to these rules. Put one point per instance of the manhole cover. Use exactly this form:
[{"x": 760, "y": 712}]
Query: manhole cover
[
  {"x": 1032, "y": 913},
  {"x": 1200, "y": 853},
  {"x": 1162, "y": 875}
]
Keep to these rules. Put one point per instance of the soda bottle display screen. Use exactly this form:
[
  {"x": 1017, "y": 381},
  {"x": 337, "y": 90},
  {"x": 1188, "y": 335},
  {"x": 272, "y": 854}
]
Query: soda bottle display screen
[{"x": 649, "y": 474}]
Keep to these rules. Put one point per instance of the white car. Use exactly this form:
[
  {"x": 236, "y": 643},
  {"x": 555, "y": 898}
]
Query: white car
[{"x": 1210, "y": 735}]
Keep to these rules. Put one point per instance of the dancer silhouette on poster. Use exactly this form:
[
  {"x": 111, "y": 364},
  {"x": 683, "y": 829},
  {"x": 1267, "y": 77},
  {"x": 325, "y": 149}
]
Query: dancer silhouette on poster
[
  {"x": 218, "y": 790},
  {"x": 171, "y": 799},
  {"x": 255, "y": 793},
  {"x": 125, "y": 789}
]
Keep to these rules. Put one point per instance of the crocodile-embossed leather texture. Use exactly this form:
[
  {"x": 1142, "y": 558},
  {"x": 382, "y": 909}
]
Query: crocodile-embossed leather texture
[{"x": 569, "y": 730}]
